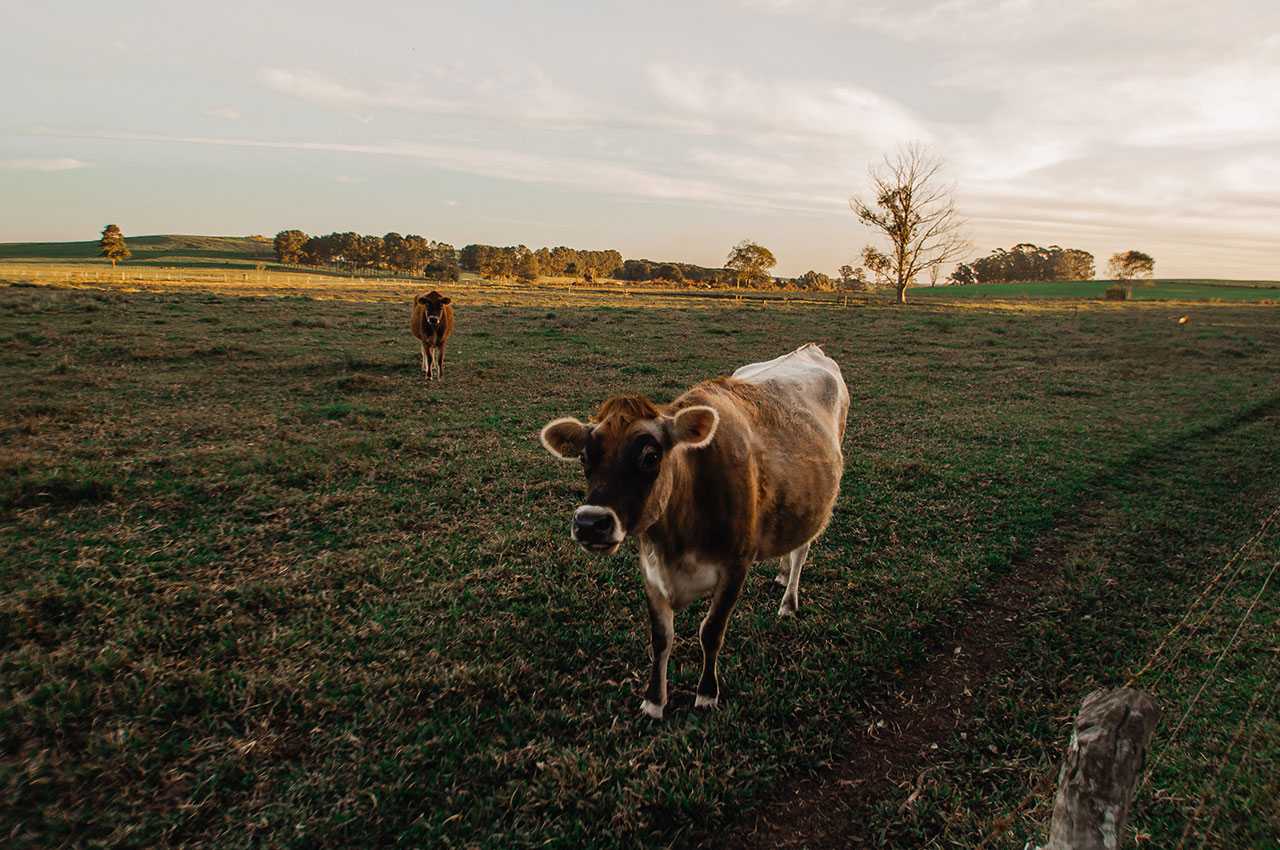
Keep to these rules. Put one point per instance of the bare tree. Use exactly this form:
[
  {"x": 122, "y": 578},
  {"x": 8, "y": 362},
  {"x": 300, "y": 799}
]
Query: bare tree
[{"x": 915, "y": 212}]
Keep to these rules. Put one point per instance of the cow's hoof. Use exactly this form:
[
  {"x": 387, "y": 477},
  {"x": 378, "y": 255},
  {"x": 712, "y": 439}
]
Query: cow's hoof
[
  {"x": 705, "y": 703},
  {"x": 648, "y": 709},
  {"x": 787, "y": 608}
]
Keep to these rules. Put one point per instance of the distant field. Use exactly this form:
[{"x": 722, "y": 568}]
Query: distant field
[
  {"x": 260, "y": 585},
  {"x": 1161, "y": 290},
  {"x": 221, "y": 258},
  {"x": 194, "y": 251}
]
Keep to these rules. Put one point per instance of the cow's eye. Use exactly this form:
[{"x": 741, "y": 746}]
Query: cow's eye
[{"x": 650, "y": 459}]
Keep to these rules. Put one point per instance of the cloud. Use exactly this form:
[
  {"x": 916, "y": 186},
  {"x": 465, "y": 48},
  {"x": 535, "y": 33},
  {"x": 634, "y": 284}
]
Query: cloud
[
  {"x": 563, "y": 170},
  {"x": 724, "y": 102},
  {"x": 225, "y": 114},
  {"x": 528, "y": 98},
  {"x": 59, "y": 164},
  {"x": 342, "y": 178}
]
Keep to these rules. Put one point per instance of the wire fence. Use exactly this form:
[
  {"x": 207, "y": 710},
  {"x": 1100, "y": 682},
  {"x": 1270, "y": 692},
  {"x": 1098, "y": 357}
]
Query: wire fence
[{"x": 1162, "y": 672}]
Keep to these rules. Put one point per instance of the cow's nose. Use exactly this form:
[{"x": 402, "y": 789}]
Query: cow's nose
[{"x": 596, "y": 526}]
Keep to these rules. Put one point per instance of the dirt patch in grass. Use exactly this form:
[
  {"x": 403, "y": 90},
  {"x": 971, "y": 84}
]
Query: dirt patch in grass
[{"x": 913, "y": 723}]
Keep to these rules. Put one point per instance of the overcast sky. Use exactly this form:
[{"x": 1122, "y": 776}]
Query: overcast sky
[{"x": 666, "y": 130}]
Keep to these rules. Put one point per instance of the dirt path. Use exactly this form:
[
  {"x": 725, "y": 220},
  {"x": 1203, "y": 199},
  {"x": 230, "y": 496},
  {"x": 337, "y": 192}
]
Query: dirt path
[{"x": 819, "y": 811}]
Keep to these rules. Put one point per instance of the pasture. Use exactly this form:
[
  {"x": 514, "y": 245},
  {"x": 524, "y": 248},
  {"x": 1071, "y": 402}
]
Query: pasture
[
  {"x": 1160, "y": 290},
  {"x": 261, "y": 585}
]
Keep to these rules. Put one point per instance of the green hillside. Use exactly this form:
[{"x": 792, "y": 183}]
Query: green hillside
[{"x": 150, "y": 251}]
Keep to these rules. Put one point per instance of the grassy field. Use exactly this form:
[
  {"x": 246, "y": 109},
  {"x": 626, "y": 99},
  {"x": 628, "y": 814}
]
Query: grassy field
[
  {"x": 150, "y": 251},
  {"x": 260, "y": 585},
  {"x": 1160, "y": 290}
]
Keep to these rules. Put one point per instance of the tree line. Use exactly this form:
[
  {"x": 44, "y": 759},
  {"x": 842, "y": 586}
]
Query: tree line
[
  {"x": 1027, "y": 262},
  {"x": 522, "y": 263},
  {"x": 411, "y": 254}
]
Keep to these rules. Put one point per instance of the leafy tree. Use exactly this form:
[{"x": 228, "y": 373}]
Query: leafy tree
[
  {"x": 289, "y": 246},
  {"x": 750, "y": 262},
  {"x": 393, "y": 252},
  {"x": 963, "y": 274},
  {"x": 669, "y": 272},
  {"x": 443, "y": 262},
  {"x": 113, "y": 245},
  {"x": 527, "y": 266},
  {"x": 815, "y": 281},
  {"x": 1131, "y": 265},
  {"x": 914, "y": 213},
  {"x": 1027, "y": 262}
]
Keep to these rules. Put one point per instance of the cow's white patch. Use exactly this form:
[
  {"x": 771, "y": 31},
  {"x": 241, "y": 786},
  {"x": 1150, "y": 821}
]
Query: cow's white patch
[
  {"x": 694, "y": 581},
  {"x": 705, "y": 702},
  {"x": 654, "y": 574},
  {"x": 650, "y": 710}
]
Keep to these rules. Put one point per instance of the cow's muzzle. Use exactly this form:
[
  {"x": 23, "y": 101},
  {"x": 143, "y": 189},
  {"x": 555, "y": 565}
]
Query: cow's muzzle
[{"x": 597, "y": 529}]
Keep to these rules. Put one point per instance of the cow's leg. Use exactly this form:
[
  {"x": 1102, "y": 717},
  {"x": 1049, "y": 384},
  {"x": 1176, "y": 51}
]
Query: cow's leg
[
  {"x": 662, "y": 636},
  {"x": 426, "y": 359},
  {"x": 784, "y": 570},
  {"x": 712, "y": 633},
  {"x": 440, "y": 360},
  {"x": 791, "y": 598}
]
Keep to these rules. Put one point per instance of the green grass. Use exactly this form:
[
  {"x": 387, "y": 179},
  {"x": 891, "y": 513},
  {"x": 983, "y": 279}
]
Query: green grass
[
  {"x": 195, "y": 251},
  {"x": 1160, "y": 290},
  {"x": 260, "y": 585}
]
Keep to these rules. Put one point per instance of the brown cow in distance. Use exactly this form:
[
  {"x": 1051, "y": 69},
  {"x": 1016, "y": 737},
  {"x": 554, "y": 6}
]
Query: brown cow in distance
[
  {"x": 432, "y": 322},
  {"x": 733, "y": 471}
]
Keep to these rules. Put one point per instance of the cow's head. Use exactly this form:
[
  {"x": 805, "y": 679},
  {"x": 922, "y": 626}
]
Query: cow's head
[
  {"x": 432, "y": 305},
  {"x": 625, "y": 452}
]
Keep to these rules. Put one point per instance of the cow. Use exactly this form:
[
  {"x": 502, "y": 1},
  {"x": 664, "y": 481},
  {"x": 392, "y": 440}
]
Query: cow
[
  {"x": 431, "y": 323},
  {"x": 735, "y": 470}
]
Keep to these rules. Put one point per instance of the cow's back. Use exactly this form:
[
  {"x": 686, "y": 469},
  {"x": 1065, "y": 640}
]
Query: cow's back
[
  {"x": 805, "y": 382},
  {"x": 777, "y": 448}
]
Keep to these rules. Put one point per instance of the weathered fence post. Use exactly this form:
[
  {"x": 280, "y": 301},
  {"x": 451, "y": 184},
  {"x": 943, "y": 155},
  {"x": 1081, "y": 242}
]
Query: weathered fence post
[{"x": 1107, "y": 751}]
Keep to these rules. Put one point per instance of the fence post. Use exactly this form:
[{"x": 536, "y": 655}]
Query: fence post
[{"x": 1108, "y": 748}]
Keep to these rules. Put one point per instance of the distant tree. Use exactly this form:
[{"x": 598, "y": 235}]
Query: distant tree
[
  {"x": 963, "y": 274},
  {"x": 815, "y": 281},
  {"x": 669, "y": 272},
  {"x": 1131, "y": 265},
  {"x": 442, "y": 263},
  {"x": 750, "y": 262},
  {"x": 113, "y": 245},
  {"x": 1027, "y": 262},
  {"x": 394, "y": 256},
  {"x": 289, "y": 245},
  {"x": 636, "y": 270},
  {"x": 526, "y": 266},
  {"x": 1075, "y": 265},
  {"x": 915, "y": 213}
]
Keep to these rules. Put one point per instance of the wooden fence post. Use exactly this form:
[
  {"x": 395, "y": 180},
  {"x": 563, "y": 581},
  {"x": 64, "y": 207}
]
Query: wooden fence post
[{"x": 1106, "y": 754}]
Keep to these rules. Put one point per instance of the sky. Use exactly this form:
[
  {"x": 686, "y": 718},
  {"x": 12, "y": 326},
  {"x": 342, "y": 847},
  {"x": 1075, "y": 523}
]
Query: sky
[{"x": 664, "y": 130}]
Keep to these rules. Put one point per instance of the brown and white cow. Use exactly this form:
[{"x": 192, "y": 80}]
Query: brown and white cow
[
  {"x": 733, "y": 471},
  {"x": 431, "y": 323}
]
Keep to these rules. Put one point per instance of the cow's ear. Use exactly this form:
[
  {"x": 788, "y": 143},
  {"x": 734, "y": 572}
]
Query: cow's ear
[
  {"x": 445, "y": 300},
  {"x": 565, "y": 438},
  {"x": 694, "y": 427}
]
